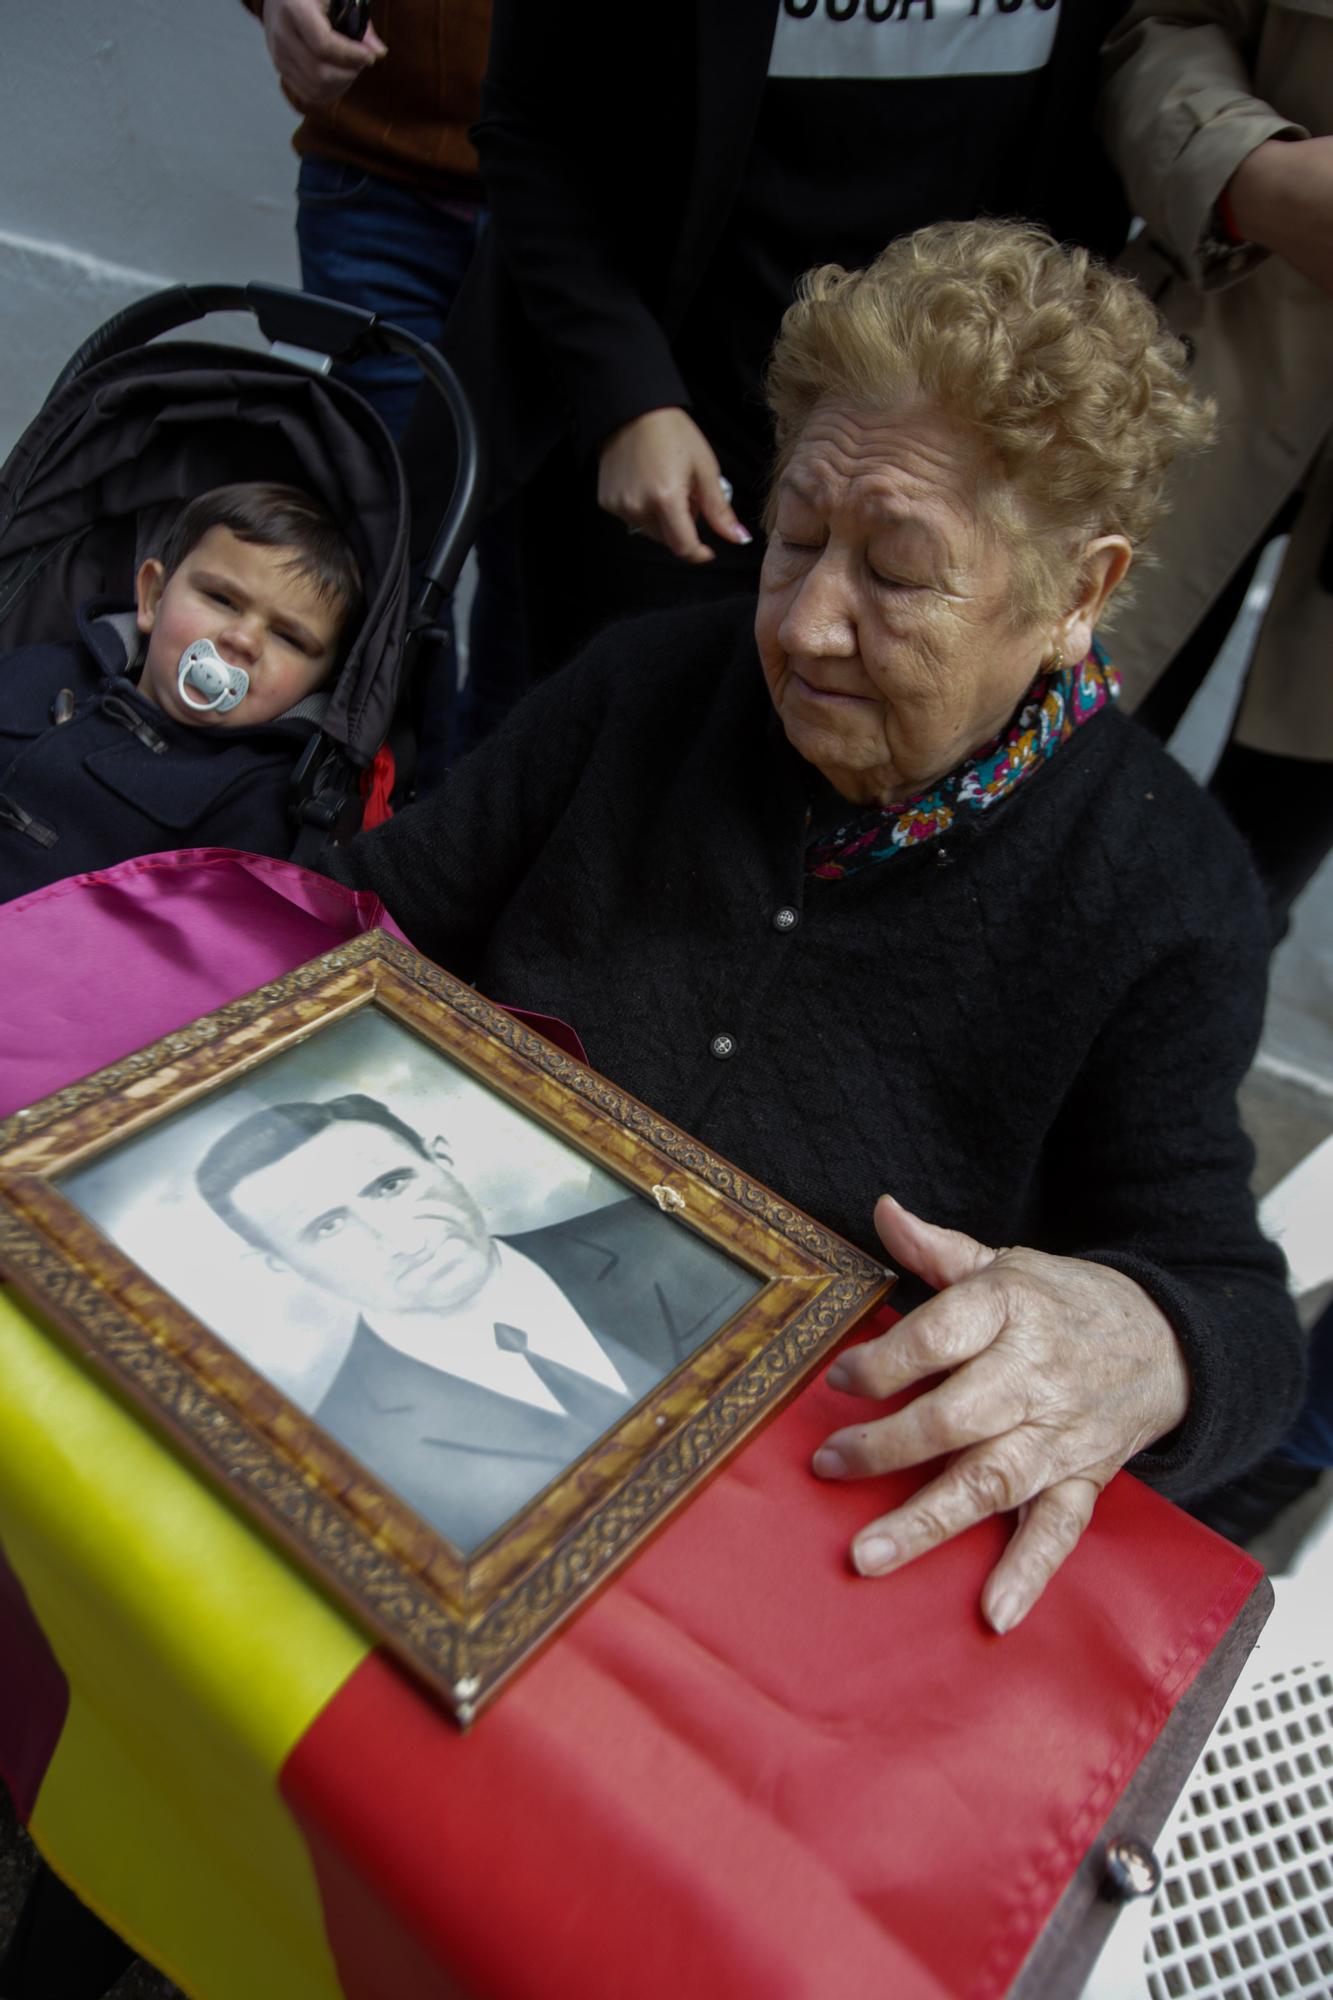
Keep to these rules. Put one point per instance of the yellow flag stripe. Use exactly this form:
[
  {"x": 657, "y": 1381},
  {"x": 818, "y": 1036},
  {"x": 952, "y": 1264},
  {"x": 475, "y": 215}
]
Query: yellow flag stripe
[{"x": 196, "y": 1659}]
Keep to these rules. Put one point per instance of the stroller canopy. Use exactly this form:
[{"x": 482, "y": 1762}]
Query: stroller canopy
[{"x": 100, "y": 474}]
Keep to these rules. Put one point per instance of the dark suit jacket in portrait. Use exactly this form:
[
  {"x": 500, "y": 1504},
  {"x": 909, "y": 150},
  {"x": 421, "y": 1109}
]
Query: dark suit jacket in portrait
[{"x": 467, "y": 1458}]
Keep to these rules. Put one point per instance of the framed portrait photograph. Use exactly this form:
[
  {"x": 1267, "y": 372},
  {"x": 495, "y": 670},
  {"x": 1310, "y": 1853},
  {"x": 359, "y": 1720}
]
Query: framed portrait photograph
[{"x": 457, "y": 1321}]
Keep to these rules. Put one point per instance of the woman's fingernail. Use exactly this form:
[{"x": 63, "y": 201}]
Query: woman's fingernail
[
  {"x": 874, "y": 1554},
  {"x": 740, "y": 534},
  {"x": 828, "y": 1463},
  {"x": 1005, "y": 1612},
  {"x": 837, "y": 1377}
]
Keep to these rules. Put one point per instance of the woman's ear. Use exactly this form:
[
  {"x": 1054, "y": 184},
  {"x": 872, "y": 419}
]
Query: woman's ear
[
  {"x": 148, "y": 587},
  {"x": 1101, "y": 568}
]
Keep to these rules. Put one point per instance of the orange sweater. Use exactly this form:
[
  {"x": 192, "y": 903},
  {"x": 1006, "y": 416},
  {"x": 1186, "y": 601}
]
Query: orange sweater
[{"x": 408, "y": 117}]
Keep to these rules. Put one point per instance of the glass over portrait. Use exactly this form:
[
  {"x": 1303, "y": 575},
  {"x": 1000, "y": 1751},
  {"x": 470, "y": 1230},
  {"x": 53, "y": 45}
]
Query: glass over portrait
[{"x": 459, "y": 1297}]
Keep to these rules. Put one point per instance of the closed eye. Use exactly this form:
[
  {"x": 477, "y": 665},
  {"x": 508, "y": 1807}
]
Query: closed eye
[{"x": 293, "y": 640}]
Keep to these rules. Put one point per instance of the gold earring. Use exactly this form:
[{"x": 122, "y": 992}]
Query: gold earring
[{"x": 1054, "y": 664}]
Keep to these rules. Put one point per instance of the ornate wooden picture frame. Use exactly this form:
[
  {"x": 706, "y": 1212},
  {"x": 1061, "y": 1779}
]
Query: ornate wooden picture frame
[{"x": 191, "y": 1134}]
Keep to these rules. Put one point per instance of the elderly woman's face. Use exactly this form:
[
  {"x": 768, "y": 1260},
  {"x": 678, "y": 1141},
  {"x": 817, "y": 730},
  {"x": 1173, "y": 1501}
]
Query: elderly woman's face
[{"x": 885, "y": 622}]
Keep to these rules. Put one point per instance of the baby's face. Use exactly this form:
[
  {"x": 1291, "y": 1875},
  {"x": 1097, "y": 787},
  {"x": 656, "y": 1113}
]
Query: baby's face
[{"x": 260, "y": 613}]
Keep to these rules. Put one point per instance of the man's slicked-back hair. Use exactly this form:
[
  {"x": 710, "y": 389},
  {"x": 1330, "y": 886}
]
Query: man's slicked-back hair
[
  {"x": 273, "y": 516},
  {"x": 267, "y": 1136}
]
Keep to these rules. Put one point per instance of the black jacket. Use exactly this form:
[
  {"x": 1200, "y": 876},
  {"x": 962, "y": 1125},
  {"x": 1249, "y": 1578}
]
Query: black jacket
[
  {"x": 613, "y": 140},
  {"x": 120, "y": 778},
  {"x": 1030, "y": 1028}
]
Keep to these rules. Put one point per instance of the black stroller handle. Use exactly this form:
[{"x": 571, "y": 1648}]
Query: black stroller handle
[{"x": 324, "y": 326}]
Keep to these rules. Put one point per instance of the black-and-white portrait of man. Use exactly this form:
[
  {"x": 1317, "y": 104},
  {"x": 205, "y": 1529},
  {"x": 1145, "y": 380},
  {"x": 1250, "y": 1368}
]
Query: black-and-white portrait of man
[
  {"x": 465, "y": 1365},
  {"x": 480, "y": 1366}
]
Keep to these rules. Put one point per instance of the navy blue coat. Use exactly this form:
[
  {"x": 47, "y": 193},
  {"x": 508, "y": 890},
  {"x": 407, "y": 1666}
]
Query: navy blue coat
[{"x": 120, "y": 778}]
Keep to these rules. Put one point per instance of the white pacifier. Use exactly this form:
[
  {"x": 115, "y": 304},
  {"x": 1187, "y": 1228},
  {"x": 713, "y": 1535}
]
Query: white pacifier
[{"x": 203, "y": 668}]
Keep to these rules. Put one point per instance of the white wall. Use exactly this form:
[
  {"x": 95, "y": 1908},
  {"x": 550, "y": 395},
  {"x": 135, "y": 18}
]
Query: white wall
[{"x": 141, "y": 142}]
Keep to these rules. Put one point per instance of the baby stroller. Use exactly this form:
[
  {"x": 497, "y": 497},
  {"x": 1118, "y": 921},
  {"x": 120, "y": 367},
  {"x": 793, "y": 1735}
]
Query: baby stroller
[{"x": 130, "y": 431}]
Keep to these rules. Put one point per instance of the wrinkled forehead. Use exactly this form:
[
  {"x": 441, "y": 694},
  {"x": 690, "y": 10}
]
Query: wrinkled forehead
[
  {"x": 910, "y": 468},
  {"x": 327, "y": 1170}
]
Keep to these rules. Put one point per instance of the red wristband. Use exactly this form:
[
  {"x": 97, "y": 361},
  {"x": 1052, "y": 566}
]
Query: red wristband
[{"x": 1227, "y": 217}]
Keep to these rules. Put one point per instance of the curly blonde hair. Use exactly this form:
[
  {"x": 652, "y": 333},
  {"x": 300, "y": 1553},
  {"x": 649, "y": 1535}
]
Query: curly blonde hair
[{"x": 1064, "y": 367}]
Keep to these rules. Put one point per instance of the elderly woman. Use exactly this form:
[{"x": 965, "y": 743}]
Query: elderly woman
[{"x": 877, "y": 890}]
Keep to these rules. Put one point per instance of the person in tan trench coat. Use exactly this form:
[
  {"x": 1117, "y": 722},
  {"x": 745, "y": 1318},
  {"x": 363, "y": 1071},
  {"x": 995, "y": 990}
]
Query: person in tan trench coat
[{"x": 1230, "y": 102}]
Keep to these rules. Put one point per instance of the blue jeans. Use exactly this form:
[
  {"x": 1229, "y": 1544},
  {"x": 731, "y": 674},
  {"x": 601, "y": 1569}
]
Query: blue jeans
[{"x": 379, "y": 245}]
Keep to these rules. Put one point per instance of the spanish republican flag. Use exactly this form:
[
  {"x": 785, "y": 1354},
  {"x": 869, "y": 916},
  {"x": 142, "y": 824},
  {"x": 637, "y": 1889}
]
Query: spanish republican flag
[{"x": 742, "y": 1770}]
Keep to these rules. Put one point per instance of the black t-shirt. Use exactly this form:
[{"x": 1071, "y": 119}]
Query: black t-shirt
[{"x": 872, "y": 123}]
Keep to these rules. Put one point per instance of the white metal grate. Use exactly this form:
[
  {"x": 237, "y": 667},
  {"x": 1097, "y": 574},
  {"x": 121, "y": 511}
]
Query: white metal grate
[{"x": 1245, "y": 1911}]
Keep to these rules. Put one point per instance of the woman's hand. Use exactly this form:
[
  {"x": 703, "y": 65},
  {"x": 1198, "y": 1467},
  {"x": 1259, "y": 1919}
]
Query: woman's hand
[
  {"x": 657, "y": 474},
  {"x": 1056, "y": 1372},
  {"x": 315, "y": 62}
]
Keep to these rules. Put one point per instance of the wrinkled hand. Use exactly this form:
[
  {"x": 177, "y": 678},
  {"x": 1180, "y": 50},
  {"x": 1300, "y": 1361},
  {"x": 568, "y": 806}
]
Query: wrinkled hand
[
  {"x": 1058, "y": 1371},
  {"x": 658, "y": 474},
  {"x": 316, "y": 64},
  {"x": 1282, "y": 197}
]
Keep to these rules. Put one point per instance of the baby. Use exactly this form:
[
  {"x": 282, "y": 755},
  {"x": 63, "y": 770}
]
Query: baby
[{"x": 112, "y": 747}]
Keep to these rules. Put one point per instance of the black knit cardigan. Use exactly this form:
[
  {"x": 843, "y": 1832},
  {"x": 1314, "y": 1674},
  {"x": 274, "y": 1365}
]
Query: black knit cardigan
[{"x": 1030, "y": 1027}]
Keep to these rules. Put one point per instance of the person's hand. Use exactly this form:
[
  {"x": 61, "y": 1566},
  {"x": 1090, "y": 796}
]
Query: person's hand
[
  {"x": 657, "y": 474},
  {"x": 316, "y": 64},
  {"x": 1055, "y": 1371},
  {"x": 1281, "y": 197}
]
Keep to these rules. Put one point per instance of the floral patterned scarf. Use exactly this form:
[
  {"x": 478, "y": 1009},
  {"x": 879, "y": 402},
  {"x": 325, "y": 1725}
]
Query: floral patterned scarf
[{"x": 1056, "y": 704}]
